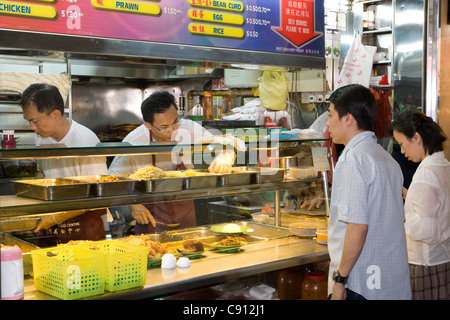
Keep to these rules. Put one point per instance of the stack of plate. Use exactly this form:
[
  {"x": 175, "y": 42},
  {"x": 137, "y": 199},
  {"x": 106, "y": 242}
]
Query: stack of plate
[{"x": 305, "y": 229}]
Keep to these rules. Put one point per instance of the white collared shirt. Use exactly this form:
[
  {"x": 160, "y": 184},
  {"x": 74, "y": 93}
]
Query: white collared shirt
[{"x": 427, "y": 211}]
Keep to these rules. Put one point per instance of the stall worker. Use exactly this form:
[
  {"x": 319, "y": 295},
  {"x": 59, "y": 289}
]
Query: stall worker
[
  {"x": 162, "y": 123},
  {"x": 427, "y": 205},
  {"x": 43, "y": 108},
  {"x": 366, "y": 235}
]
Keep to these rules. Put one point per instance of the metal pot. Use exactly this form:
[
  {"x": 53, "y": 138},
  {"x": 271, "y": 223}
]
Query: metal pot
[
  {"x": 284, "y": 162},
  {"x": 288, "y": 162}
]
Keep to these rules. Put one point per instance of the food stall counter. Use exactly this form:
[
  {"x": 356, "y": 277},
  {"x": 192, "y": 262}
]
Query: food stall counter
[{"x": 214, "y": 268}]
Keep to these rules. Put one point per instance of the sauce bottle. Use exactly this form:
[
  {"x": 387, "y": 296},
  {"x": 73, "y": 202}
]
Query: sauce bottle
[{"x": 207, "y": 106}]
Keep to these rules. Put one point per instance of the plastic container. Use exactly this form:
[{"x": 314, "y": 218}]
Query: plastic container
[
  {"x": 207, "y": 107},
  {"x": 126, "y": 263},
  {"x": 69, "y": 272},
  {"x": 8, "y": 141},
  {"x": 217, "y": 107},
  {"x": 314, "y": 286},
  {"x": 11, "y": 273},
  {"x": 322, "y": 236}
]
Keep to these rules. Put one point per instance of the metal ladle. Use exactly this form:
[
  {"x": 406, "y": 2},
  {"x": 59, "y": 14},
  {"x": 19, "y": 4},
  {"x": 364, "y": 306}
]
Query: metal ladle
[{"x": 170, "y": 225}]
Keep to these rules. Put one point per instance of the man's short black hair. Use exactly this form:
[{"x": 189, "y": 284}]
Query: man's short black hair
[
  {"x": 157, "y": 102},
  {"x": 46, "y": 98},
  {"x": 358, "y": 101}
]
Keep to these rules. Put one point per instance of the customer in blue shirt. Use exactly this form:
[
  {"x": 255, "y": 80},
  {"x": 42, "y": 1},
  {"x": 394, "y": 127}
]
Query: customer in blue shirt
[{"x": 366, "y": 241}]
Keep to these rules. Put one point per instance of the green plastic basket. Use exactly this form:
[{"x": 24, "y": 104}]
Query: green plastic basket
[
  {"x": 69, "y": 272},
  {"x": 126, "y": 265}
]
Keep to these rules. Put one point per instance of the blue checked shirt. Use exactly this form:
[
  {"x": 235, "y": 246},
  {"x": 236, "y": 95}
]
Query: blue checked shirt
[{"x": 366, "y": 189}]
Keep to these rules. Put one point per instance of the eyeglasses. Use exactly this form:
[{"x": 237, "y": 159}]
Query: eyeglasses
[{"x": 174, "y": 126}]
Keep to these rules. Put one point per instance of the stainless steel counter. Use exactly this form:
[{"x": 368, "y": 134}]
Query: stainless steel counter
[{"x": 214, "y": 268}]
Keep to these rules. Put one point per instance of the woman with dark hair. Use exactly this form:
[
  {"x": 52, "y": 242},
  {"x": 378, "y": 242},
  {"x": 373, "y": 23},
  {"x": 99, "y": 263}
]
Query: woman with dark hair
[{"x": 427, "y": 205}]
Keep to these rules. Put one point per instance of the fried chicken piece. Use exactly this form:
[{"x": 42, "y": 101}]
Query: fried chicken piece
[{"x": 193, "y": 246}]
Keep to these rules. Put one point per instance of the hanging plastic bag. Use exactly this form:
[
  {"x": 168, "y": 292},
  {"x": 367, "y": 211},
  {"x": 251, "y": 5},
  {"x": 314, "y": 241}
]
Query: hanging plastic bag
[
  {"x": 357, "y": 66},
  {"x": 273, "y": 90}
]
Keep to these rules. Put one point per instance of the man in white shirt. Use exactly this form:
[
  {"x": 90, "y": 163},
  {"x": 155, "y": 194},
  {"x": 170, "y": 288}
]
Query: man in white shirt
[
  {"x": 366, "y": 241},
  {"x": 162, "y": 123},
  {"x": 43, "y": 107}
]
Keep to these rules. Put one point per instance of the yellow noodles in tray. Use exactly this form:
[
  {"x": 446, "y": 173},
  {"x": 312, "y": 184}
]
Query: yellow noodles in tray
[
  {"x": 152, "y": 172},
  {"x": 148, "y": 173},
  {"x": 186, "y": 173}
]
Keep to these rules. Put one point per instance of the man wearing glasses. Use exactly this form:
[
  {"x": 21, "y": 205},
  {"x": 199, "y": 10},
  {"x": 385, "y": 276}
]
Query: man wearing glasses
[{"x": 162, "y": 123}]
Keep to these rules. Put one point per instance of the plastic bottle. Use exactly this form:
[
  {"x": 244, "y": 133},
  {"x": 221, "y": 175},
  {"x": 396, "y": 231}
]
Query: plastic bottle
[
  {"x": 12, "y": 273},
  {"x": 207, "y": 107}
]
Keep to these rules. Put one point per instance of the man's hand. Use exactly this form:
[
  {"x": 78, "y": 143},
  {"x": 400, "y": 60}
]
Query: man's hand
[
  {"x": 355, "y": 238},
  {"x": 404, "y": 192},
  {"x": 339, "y": 292},
  {"x": 315, "y": 202},
  {"x": 48, "y": 221},
  {"x": 223, "y": 162},
  {"x": 142, "y": 215}
]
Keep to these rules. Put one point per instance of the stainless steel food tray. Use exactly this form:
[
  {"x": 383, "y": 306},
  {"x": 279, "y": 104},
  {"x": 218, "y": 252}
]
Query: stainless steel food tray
[
  {"x": 19, "y": 224},
  {"x": 108, "y": 188},
  {"x": 200, "y": 182},
  {"x": 59, "y": 189},
  {"x": 237, "y": 177},
  {"x": 263, "y": 174},
  {"x": 160, "y": 185},
  {"x": 206, "y": 181},
  {"x": 7, "y": 240}
]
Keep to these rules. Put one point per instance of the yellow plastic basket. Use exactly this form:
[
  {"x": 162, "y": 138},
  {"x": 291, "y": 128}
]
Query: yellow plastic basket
[
  {"x": 126, "y": 265},
  {"x": 69, "y": 272}
]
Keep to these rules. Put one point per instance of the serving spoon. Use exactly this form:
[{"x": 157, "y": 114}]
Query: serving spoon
[{"x": 171, "y": 225}]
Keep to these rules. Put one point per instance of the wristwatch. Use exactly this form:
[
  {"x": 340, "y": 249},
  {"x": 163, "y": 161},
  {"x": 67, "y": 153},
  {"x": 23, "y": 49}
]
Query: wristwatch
[{"x": 338, "y": 278}]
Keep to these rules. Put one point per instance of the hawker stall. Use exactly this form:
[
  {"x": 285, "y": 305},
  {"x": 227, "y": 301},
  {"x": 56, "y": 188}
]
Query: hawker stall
[
  {"x": 213, "y": 62},
  {"x": 261, "y": 247}
]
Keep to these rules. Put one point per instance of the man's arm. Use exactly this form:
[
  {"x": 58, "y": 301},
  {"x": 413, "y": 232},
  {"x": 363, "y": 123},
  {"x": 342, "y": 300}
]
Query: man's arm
[
  {"x": 354, "y": 240},
  {"x": 48, "y": 221}
]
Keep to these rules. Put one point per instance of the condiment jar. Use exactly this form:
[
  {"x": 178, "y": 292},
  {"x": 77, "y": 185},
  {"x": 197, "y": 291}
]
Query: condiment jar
[
  {"x": 8, "y": 141},
  {"x": 290, "y": 284},
  {"x": 207, "y": 106},
  {"x": 314, "y": 286},
  {"x": 11, "y": 273}
]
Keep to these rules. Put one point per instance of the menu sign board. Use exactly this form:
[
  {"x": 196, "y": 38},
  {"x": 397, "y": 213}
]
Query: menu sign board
[{"x": 284, "y": 26}]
